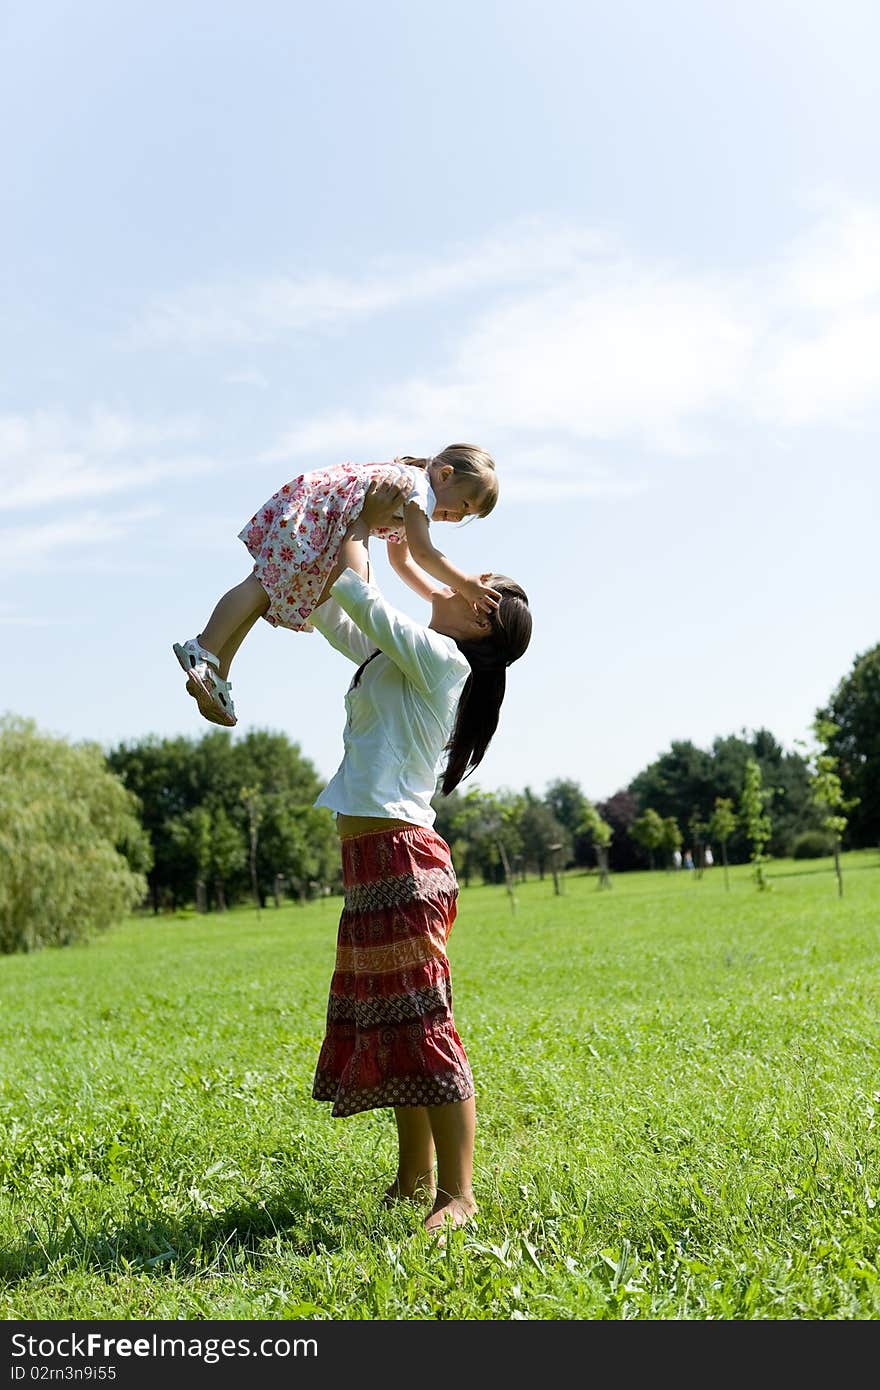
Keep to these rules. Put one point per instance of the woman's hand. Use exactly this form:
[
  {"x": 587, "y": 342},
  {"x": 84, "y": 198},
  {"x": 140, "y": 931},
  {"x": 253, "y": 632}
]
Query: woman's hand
[{"x": 380, "y": 503}]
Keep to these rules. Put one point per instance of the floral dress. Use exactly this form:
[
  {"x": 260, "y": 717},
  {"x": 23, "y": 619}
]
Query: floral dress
[{"x": 295, "y": 537}]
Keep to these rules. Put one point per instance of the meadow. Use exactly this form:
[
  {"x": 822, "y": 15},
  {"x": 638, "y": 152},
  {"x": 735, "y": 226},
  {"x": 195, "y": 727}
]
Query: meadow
[{"x": 678, "y": 1090}]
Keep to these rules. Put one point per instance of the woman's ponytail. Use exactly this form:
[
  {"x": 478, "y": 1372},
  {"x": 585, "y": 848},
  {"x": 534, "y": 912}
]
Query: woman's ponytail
[{"x": 479, "y": 706}]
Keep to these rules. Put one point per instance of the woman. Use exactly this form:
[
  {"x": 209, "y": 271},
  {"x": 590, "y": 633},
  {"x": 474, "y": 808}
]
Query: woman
[{"x": 419, "y": 692}]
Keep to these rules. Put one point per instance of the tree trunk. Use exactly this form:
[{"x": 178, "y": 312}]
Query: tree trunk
[
  {"x": 201, "y": 896},
  {"x": 253, "y": 860},
  {"x": 724, "y": 862},
  {"x": 508, "y": 877},
  {"x": 837, "y": 868}
]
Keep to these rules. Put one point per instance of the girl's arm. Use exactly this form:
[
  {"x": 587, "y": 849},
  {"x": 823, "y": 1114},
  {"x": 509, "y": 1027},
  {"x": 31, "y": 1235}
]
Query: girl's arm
[
  {"x": 426, "y": 555},
  {"x": 328, "y": 617},
  {"x": 405, "y": 568},
  {"x": 423, "y": 657}
]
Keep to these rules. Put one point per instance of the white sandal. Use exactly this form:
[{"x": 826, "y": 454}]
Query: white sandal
[{"x": 205, "y": 683}]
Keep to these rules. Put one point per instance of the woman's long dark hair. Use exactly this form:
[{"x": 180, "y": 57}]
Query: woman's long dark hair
[{"x": 480, "y": 704}]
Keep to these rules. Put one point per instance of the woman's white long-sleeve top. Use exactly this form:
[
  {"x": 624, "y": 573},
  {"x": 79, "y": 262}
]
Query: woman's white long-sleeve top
[{"x": 400, "y": 715}]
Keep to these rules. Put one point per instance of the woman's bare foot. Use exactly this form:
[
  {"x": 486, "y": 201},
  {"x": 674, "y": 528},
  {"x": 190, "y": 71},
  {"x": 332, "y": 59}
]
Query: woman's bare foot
[
  {"x": 449, "y": 1213},
  {"x": 421, "y": 1191}
]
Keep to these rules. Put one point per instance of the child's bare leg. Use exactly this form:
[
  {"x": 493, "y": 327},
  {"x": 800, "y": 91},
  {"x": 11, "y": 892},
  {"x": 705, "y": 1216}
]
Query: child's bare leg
[
  {"x": 453, "y": 1127},
  {"x": 232, "y": 618},
  {"x": 415, "y": 1156},
  {"x": 230, "y": 647}
]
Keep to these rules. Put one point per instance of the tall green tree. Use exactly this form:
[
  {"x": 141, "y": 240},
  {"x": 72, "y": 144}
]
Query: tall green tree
[
  {"x": 672, "y": 839},
  {"x": 854, "y": 708},
  {"x": 546, "y": 842},
  {"x": 833, "y": 806},
  {"x": 485, "y": 830},
  {"x": 722, "y": 824},
  {"x": 676, "y": 781},
  {"x": 697, "y": 829},
  {"x": 755, "y": 817},
  {"x": 292, "y": 838},
  {"x": 620, "y": 812},
  {"x": 73, "y": 854},
  {"x": 648, "y": 831},
  {"x": 568, "y": 804},
  {"x": 599, "y": 833}
]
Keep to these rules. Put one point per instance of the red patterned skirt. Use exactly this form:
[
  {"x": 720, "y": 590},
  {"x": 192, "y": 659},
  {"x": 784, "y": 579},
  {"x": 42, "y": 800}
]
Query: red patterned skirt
[{"x": 390, "y": 1038}]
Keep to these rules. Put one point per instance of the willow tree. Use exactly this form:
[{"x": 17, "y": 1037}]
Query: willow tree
[{"x": 73, "y": 854}]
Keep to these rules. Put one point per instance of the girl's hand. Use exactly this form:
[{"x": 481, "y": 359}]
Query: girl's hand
[
  {"x": 380, "y": 503},
  {"x": 481, "y": 595}
]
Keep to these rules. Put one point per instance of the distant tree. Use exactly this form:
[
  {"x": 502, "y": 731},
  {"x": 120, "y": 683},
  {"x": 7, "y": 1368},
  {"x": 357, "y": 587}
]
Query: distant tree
[
  {"x": 786, "y": 777},
  {"x": 290, "y": 837},
  {"x": 672, "y": 839},
  {"x": 685, "y": 781},
  {"x": 854, "y": 708},
  {"x": 227, "y": 856},
  {"x": 828, "y": 795},
  {"x": 755, "y": 817},
  {"x": 73, "y": 854},
  {"x": 190, "y": 832},
  {"x": 546, "y": 842},
  {"x": 599, "y": 833},
  {"x": 677, "y": 781},
  {"x": 567, "y": 802},
  {"x": 162, "y": 775},
  {"x": 252, "y": 800},
  {"x": 722, "y": 824},
  {"x": 620, "y": 812},
  {"x": 485, "y": 831},
  {"x": 697, "y": 828},
  {"x": 648, "y": 831}
]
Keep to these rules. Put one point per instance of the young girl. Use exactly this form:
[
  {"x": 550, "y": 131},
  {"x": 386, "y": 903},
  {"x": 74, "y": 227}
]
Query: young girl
[{"x": 295, "y": 538}]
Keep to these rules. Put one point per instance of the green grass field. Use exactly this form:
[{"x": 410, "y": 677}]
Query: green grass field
[{"x": 678, "y": 1091}]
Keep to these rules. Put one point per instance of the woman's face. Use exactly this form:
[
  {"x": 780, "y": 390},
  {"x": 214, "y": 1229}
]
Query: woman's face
[{"x": 453, "y": 616}]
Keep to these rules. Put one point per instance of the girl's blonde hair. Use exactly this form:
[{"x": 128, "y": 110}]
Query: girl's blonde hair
[{"x": 471, "y": 460}]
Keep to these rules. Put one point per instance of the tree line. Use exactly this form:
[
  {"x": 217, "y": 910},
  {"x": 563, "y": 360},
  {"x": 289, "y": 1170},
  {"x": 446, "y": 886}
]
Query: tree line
[{"x": 86, "y": 835}]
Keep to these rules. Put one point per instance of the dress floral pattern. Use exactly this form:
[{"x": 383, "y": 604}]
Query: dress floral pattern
[{"x": 295, "y": 537}]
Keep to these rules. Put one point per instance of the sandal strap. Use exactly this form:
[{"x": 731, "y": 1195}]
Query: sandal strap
[{"x": 205, "y": 655}]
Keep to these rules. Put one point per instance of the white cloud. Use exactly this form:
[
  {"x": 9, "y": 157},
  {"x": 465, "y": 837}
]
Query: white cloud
[
  {"x": 618, "y": 351},
  {"x": 247, "y": 376},
  {"x": 616, "y": 355},
  {"x": 37, "y": 546},
  {"x": 11, "y": 617},
  {"x": 52, "y": 457},
  {"x": 266, "y": 310},
  {"x": 835, "y": 265},
  {"x": 831, "y": 376},
  {"x": 820, "y": 363}
]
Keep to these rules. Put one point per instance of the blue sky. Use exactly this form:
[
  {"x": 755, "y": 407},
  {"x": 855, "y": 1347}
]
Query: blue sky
[{"x": 631, "y": 249}]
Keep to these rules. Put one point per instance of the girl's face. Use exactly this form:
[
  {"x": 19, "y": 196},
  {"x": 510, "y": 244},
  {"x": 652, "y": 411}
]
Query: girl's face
[{"x": 458, "y": 495}]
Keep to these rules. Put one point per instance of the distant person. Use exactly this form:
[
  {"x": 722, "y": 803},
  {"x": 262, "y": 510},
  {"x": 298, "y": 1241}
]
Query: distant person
[
  {"x": 688, "y": 859},
  {"x": 708, "y": 858},
  {"x": 419, "y": 693},
  {"x": 295, "y": 537},
  {"x": 676, "y": 858}
]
